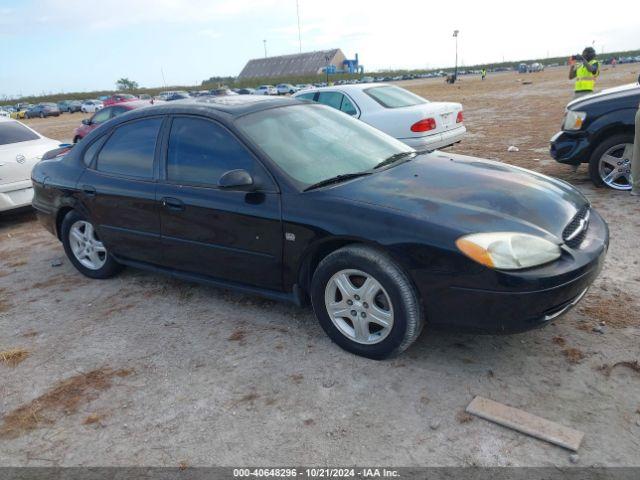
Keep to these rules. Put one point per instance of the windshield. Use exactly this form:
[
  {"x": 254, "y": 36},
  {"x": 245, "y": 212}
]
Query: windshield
[
  {"x": 394, "y": 97},
  {"x": 312, "y": 143}
]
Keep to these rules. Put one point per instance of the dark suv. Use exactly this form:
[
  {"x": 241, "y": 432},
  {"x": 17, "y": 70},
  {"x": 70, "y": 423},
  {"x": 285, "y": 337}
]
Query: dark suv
[{"x": 598, "y": 130}]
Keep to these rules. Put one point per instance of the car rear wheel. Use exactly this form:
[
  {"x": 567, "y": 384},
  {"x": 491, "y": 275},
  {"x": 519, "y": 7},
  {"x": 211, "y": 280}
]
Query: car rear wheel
[
  {"x": 610, "y": 163},
  {"x": 85, "y": 250},
  {"x": 365, "y": 302},
  {"x": 41, "y": 114}
]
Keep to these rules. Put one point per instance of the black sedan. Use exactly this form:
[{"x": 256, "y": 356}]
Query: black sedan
[
  {"x": 598, "y": 130},
  {"x": 298, "y": 201}
]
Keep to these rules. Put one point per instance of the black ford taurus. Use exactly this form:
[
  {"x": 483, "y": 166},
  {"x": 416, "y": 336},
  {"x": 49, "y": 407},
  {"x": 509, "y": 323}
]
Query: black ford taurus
[{"x": 299, "y": 202}]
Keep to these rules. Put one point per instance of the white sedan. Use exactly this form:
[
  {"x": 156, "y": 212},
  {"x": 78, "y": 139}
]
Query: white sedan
[
  {"x": 91, "y": 106},
  {"x": 265, "y": 90},
  {"x": 20, "y": 149},
  {"x": 410, "y": 118}
]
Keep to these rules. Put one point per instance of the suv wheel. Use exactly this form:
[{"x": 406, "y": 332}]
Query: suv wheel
[
  {"x": 610, "y": 163},
  {"x": 365, "y": 302},
  {"x": 85, "y": 250}
]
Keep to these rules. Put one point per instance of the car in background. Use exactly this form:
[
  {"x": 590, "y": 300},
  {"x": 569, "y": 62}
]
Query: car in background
[
  {"x": 304, "y": 203},
  {"x": 20, "y": 111},
  {"x": 176, "y": 96},
  {"x": 91, "y": 106},
  {"x": 20, "y": 149},
  {"x": 70, "y": 106},
  {"x": 286, "y": 88},
  {"x": 43, "y": 110},
  {"x": 404, "y": 115},
  {"x": 107, "y": 113},
  {"x": 246, "y": 91},
  {"x": 144, "y": 96},
  {"x": 5, "y": 113},
  {"x": 598, "y": 129},
  {"x": 221, "y": 92},
  {"x": 265, "y": 90},
  {"x": 303, "y": 86},
  {"x": 119, "y": 98}
]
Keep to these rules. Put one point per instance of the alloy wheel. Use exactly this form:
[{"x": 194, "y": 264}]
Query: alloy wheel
[
  {"x": 615, "y": 166},
  {"x": 359, "y": 306},
  {"x": 86, "y": 246}
]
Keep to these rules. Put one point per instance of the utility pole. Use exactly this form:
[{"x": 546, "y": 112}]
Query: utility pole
[
  {"x": 455, "y": 71},
  {"x": 299, "y": 34},
  {"x": 326, "y": 68},
  {"x": 265, "y": 48}
]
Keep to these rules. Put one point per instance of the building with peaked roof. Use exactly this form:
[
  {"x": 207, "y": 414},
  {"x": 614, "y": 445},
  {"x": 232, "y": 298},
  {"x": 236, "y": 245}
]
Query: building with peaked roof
[{"x": 299, "y": 64}]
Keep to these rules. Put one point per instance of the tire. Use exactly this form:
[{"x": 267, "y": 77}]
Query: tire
[
  {"x": 76, "y": 139},
  {"x": 106, "y": 269},
  {"x": 393, "y": 294},
  {"x": 605, "y": 148},
  {"x": 41, "y": 114}
]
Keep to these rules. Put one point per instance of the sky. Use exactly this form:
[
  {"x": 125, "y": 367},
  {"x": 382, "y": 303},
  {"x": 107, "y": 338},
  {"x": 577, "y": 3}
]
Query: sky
[{"x": 51, "y": 46}]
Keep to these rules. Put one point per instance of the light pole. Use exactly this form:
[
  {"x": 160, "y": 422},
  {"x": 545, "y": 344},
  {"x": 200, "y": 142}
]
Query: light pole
[
  {"x": 265, "y": 48},
  {"x": 299, "y": 34},
  {"x": 455, "y": 70},
  {"x": 326, "y": 69}
]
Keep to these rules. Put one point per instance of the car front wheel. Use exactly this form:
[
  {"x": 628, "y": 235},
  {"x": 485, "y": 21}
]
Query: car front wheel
[
  {"x": 610, "y": 163},
  {"x": 366, "y": 303},
  {"x": 85, "y": 250}
]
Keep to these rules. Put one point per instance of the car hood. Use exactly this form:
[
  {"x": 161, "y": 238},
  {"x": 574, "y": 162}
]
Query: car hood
[
  {"x": 623, "y": 91},
  {"x": 469, "y": 195}
]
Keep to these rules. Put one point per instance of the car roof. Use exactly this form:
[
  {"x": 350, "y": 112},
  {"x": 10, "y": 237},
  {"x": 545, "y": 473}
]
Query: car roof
[
  {"x": 348, "y": 87},
  {"x": 237, "y": 105}
]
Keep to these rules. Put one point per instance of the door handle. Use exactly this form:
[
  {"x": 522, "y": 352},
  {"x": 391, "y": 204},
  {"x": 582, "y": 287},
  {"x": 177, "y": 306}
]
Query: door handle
[
  {"x": 172, "y": 204},
  {"x": 89, "y": 190}
]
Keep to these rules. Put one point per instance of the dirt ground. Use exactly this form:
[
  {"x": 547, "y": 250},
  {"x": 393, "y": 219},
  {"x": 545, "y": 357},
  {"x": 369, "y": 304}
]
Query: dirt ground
[{"x": 145, "y": 370}]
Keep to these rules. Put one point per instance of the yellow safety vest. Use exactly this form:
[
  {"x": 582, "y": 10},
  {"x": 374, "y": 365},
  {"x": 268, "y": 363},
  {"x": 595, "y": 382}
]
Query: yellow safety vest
[{"x": 585, "y": 80}]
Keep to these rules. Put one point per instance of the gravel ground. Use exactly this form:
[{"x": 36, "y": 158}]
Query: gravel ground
[{"x": 145, "y": 370}]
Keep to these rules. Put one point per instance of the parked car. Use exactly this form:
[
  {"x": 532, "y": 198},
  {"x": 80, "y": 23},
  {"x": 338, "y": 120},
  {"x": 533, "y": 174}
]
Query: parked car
[
  {"x": 43, "y": 110},
  {"x": 119, "y": 98},
  {"x": 285, "y": 88},
  {"x": 221, "y": 92},
  {"x": 90, "y": 124},
  {"x": 176, "y": 96},
  {"x": 397, "y": 112},
  {"x": 599, "y": 130},
  {"x": 306, "y": 203},
  {"x": 70, "y": 106},
  {"x": 144, "y": 96},
  {"x": 265, "y": 90},
  {"x": 20, "y": 149},
  {"x": 246, "y": 91},
  {"x": 20, "y": 112},
  {"x": 91, "y": 106},
  {"x": 4, "y": 113}
]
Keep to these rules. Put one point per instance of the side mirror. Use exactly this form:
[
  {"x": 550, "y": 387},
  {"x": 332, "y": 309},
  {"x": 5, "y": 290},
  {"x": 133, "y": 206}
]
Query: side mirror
[
  {"x": 235, "y": 179},
  {"x": 86, "y": 121}
]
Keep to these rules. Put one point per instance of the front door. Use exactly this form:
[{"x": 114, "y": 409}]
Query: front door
[
  {"x": 119, "y": 190},
  {"x": 231, "y": 235}
]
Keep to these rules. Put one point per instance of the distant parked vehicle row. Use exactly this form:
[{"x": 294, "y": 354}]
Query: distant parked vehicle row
[{"x": 104, "y": 114}]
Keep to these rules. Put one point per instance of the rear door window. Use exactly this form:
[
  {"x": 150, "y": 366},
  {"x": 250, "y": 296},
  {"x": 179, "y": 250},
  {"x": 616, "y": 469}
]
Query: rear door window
[
  {"x": 394, "y": 97},
  {"x": 348, "y": 107},
  {"x": 130, "y": 150},
  {"x": 307, "y": 96},
  {"x": 331, "y": 99},
  {"x": 102, "y": 116},
  {"x": 14, "y": 132}
]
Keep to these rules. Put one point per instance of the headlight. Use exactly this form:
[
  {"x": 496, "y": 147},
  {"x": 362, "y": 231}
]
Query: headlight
[
  {"x": 508, "y": 250},
  {"x": 574, "y": 120}
]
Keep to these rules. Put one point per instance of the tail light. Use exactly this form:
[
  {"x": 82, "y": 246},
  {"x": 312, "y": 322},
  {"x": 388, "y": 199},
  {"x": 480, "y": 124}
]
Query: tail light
[
  {"x": 424, "y": 125},
  {"x": 460, "y": 117}
]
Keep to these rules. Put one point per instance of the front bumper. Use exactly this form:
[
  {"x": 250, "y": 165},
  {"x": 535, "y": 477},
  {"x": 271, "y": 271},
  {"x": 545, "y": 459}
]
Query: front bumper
[
  {"x": 572, "y": 148},
  {"x": 531, "y": 298},
  {"x": 15, "y": 195},
  {"x": 438, "y": 140}
]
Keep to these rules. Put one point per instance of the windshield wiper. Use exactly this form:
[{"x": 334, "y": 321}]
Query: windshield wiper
[
  {"x": 394, "y": 158},
  {"x": 336, "y": 179}
]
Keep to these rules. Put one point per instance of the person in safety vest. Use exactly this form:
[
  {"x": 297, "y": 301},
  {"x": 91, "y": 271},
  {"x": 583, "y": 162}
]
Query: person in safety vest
[{"x": 585, "y": 69}]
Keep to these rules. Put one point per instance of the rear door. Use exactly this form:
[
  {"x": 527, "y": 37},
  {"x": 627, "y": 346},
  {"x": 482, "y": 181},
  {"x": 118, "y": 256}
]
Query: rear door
[
  {"x": 230, "y": 234},
  {"x": 119, "y": 189}
]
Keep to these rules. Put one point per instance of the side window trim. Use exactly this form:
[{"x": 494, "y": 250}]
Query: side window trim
[
  {"x": 353, "y": 102},
  {"x": 163, "y": 159}
]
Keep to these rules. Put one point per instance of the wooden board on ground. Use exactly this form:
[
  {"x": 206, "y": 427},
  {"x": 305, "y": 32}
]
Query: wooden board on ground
[{"x": 526, "y": 423}]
